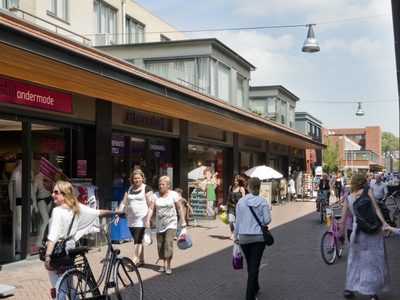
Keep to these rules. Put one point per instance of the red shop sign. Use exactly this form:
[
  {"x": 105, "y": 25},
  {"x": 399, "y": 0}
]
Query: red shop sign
[{"x": 33, "y": 96}]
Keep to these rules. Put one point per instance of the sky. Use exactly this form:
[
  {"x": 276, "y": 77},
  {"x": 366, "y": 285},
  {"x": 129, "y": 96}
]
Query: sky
[{"x": 356, "y": 62}]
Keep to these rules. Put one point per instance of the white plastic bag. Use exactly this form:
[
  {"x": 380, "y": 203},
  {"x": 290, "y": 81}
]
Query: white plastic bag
[
  {"x": 184, "y": 240},
  {"x": 237, "y": 260},
  {"x": 147, "y": 237}
]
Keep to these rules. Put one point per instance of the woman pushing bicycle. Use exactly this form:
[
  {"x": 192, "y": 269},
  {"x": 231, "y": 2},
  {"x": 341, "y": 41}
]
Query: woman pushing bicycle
[{"x": 68, "y": 210}]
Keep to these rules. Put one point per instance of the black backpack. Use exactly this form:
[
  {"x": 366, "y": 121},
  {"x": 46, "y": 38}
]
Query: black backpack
[{"x": 364, "y": 211}]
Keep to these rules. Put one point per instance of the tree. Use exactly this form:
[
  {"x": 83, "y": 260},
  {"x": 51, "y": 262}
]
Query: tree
[
  {"x": 390, "y": 143},
  {"x": 330, "y": 156}
]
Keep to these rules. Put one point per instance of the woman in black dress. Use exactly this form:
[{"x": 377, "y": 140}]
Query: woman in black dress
[{"x": 236, "y": 191}]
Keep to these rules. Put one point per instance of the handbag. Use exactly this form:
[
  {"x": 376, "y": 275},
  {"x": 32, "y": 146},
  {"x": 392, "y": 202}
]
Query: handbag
[
  {"x": 59, "y": 257},
  {"x": 237, "y": 260},
  {"x": 147, "y": 237},
  {"x": 224, "y": 217},
  {"x": 268, "y": 238},
  {"x": 184, "y": 240}
]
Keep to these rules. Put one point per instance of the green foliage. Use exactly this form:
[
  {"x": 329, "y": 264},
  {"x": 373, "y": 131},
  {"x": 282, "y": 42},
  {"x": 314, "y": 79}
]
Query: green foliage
[
  {"x": 390, "y": 143},
  {"x": 330, "y": 156}
]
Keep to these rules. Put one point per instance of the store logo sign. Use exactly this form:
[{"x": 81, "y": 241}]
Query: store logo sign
[{"x": 33, "y": 96}]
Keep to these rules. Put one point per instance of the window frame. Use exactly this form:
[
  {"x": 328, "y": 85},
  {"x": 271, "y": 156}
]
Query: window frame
[{"x": 52, "y": 8}]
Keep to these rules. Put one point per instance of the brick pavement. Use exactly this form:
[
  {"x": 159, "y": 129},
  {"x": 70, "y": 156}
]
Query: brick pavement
[{"x": 291, "y": 269}]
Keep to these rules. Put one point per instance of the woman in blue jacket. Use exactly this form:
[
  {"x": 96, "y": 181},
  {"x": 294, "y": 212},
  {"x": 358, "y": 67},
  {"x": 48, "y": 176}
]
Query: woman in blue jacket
[{"x": 249, "y": 234}]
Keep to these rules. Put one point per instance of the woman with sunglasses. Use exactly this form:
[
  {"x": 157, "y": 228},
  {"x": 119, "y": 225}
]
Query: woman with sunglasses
[{"x": 67, "y": 207}]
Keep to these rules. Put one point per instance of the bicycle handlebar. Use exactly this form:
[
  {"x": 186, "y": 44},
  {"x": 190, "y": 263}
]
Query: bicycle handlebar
[{"x": 121, "y": 216}]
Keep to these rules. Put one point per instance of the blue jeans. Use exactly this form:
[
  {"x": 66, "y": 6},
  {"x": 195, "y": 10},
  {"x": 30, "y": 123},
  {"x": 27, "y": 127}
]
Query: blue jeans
[{"x": 253, "y": 253}]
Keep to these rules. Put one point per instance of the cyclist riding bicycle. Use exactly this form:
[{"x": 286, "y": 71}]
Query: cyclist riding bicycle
[{"x": 324, "y": 187}]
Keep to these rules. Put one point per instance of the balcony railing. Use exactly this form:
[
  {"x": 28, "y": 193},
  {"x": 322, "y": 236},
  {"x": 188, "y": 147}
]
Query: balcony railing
[{"x": 57, "y": 28}]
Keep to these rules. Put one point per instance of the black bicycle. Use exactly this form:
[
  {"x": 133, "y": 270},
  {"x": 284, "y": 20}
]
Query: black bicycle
[
  {"x": 390, "y": 215},
  {"x": 323, "y": 196},
  {"x": 122, "y": 278}
]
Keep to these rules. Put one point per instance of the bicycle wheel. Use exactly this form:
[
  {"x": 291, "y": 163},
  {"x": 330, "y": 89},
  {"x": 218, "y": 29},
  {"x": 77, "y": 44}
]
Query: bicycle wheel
[
  {"x": 328, "y": 248},
  {"x": 391, "y": 222},
  {"x": 339, "y": 251},
  {"x": 128, "y": 283},
  {"x": 75, "y": 285}
]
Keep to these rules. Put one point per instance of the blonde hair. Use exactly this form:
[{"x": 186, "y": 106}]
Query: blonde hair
[
  {"x": 140, "y": 172},
  {"x": 68, "y": 192},
  {"x": 165, "y": 178}
]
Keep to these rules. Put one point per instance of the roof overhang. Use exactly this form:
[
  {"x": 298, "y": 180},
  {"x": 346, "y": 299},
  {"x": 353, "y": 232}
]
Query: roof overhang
[{"x": 40, "y": 56}]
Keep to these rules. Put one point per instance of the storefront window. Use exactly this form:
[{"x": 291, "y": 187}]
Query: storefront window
[
  {"x": 203, "y": 160},
  {"x": 249, "y": 160}
]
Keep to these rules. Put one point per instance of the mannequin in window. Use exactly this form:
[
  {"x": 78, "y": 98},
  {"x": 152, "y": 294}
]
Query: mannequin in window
[
  {"x": 16, "y": 175},
  {"x": 9, "y": 164},
  {"x": 42, "y": 202}
]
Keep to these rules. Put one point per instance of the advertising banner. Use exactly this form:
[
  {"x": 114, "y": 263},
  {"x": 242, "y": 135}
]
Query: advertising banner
[{"x": 47, "y": 169}]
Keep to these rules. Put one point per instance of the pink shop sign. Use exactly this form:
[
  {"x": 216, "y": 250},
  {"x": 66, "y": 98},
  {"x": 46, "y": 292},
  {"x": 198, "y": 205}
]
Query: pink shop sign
[{"x": 16, "y": 92}]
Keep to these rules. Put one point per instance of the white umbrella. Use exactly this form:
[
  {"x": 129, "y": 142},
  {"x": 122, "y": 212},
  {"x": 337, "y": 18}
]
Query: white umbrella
[
  {"x": 263, "y": 172},
  {"x": 197, "y": 173}
]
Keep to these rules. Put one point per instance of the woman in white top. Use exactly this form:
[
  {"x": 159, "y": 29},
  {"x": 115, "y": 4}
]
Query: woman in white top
[
  {"x": 67, "y": 206},
  {"x": 166, "y": 203},
  {"x": 137, "y": 200}
]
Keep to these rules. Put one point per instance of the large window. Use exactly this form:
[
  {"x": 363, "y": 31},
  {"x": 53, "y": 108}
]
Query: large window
[
  {"x": 181, "y": 71},
  {"x": 291, "y": 116},
  {"x": 58, "y": 8},
  {"x": 105, "y": 23},
  {"x": 134, "y": 31},
  {"x": 271, "y": 108},
  {"x": 240, "y": 90},
  {"x": 283, "y": 112}
]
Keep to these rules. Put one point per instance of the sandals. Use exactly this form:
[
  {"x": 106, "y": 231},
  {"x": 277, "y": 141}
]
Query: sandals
[
  {"x": 348, "y": 294},
  {"x": 374, "y": 297},
  {"x": 140, "y": 263}
]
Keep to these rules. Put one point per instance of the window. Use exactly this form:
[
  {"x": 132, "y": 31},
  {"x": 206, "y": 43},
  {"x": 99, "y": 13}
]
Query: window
[
  {"x": 163, "y": 38},
  {"x": 134, "y": 31},
  {"x": 283, "y": 112},
  {"x": 58, "y": 8},
  {"x": 271, "y": 108},
  {"x": 240, "y": 86},
  {"x": 181, "y": 71},
  {"x": 105, "y": 23},
  {"x": 7, "y": 4},
  {"x": 203, "y": 82},
  {"x": 291, "y": 116},
  {"x": 220, "y": 75},
  {"x": 223, "y": 79}
]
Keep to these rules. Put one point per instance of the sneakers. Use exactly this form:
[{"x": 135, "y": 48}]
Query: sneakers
[
  {"x": 161, "y": 269},
  {"x": 168, "y": 272}
]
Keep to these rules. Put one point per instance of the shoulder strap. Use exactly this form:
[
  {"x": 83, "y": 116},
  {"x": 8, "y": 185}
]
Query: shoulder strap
[
  {"x": 255, "y": 216},
  {"x": 46, "y": 231}
]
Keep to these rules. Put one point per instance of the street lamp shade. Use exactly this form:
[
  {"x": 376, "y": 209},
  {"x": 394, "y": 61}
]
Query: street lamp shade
[
  {"x": 310, "y": 44},
  {"x": 360, "y": 111}
]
